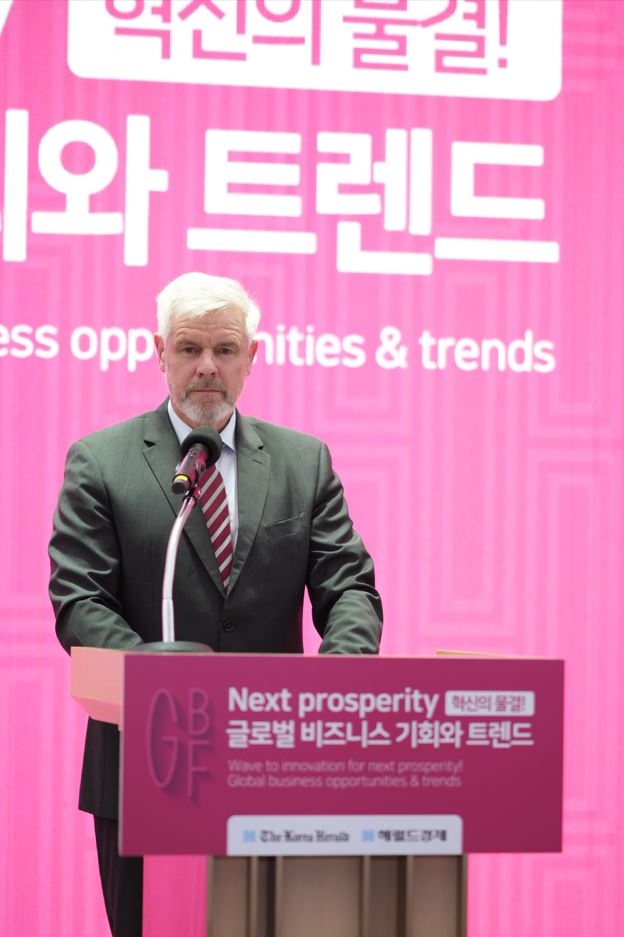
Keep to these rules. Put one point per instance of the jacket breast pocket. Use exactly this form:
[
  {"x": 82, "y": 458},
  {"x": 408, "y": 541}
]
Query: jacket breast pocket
[{"x": 287, "y": 527}]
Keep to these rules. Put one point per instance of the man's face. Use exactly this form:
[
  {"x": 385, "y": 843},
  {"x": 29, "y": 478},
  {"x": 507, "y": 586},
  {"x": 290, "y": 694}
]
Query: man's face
[{"x": 206, "y": 361}]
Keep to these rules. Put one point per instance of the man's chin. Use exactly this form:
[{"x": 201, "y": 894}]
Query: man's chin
[{"x": 215, "y": 416}]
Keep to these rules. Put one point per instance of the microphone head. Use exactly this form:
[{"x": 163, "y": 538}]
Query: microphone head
[{"x": 204, "y": 436}]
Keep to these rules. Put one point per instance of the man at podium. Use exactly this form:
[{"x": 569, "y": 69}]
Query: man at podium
[{"x": 272, "y": 523}]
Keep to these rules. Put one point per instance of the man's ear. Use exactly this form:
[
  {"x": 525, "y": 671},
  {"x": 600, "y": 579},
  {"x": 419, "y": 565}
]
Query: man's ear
[
  {"x": 253, "y": 348},
  {"x": 159, "y": 345}
]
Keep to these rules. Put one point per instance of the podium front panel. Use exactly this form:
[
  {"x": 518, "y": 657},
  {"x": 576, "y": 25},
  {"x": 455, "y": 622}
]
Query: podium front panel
[{"x": 290, "y": 755}]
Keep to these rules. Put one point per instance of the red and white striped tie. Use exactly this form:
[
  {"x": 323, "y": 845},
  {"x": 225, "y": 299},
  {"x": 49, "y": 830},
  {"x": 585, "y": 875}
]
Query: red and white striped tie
[{"x": 213, "y": 500}]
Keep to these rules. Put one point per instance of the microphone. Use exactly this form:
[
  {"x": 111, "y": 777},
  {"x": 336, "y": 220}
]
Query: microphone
[{"x": 201, "y": 449}]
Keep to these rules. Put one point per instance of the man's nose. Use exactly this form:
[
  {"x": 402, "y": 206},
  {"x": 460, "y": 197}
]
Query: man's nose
[{"x": 207, "y": 363}]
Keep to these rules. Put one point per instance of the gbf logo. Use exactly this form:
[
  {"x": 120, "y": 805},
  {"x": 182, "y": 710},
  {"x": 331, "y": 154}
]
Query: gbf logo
[{"x": 179, "y": 741}]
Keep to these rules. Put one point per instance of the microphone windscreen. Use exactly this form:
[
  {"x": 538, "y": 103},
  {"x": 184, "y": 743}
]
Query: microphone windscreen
[{"x": 204, "y": 436}]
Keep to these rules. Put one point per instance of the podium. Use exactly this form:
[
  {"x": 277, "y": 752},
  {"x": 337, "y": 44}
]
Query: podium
[{"x": 334, "y": 795}]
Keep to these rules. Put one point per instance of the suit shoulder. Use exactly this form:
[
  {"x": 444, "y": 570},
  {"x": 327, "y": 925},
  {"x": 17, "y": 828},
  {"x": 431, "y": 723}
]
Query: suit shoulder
[
  {"x": 273, "y": 435},
  {"x": 141, "y": 426}
]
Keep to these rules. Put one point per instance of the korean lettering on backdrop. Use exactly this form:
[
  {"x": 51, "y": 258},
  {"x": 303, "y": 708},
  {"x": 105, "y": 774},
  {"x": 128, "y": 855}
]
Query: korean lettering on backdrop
[{"x": 443, "y": 47}]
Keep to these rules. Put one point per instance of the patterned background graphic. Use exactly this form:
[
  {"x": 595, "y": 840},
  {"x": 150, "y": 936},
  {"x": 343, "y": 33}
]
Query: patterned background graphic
[{"x": 425, "y": 198}]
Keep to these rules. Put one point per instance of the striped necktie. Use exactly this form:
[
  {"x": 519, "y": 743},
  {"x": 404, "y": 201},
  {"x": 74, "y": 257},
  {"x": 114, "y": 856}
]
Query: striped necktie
[{"x": 213, "y": 500}]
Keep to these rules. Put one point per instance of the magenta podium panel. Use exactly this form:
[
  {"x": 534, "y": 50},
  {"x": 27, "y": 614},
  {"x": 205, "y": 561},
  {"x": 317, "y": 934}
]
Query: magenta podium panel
[{"x": 251, "y": 755}]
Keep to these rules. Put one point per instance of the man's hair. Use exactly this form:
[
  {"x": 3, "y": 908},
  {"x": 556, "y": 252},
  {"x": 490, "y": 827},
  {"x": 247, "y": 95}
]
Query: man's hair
[{"x": 195, "y": 294}]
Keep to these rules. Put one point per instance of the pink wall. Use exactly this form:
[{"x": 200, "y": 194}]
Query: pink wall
[{"x": 490, "y": 496}]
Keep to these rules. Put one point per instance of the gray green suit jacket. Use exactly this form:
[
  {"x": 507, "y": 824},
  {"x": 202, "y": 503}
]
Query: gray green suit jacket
[{"x": 107, "y": 552}]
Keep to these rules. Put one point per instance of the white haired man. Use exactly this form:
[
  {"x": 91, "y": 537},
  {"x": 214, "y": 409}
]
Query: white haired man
[{"x": 290, "y": 531}]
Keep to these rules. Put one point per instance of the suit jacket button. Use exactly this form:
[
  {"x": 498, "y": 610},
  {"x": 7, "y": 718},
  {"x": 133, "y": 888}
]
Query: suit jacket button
[{"x": 228, "y": 624}]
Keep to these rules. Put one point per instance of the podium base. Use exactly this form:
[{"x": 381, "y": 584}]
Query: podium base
[
  {"x": 175, "y": 647},
  {"x": 336, "y": 896}
]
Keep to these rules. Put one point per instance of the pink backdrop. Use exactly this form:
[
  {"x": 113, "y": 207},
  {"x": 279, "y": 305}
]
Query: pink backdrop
[{"x": 426, "y": 199}]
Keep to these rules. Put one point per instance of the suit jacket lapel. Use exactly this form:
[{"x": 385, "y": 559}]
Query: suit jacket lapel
[{"x": 253, "y": 465}]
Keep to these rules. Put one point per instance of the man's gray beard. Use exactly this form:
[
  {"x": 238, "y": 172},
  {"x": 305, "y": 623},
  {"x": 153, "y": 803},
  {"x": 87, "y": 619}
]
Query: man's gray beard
[{"x": 214, "y": 415}]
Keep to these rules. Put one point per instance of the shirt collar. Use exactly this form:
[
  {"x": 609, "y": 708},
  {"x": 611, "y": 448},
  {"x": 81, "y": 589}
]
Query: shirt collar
[{"x": 182, "y": 429}]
